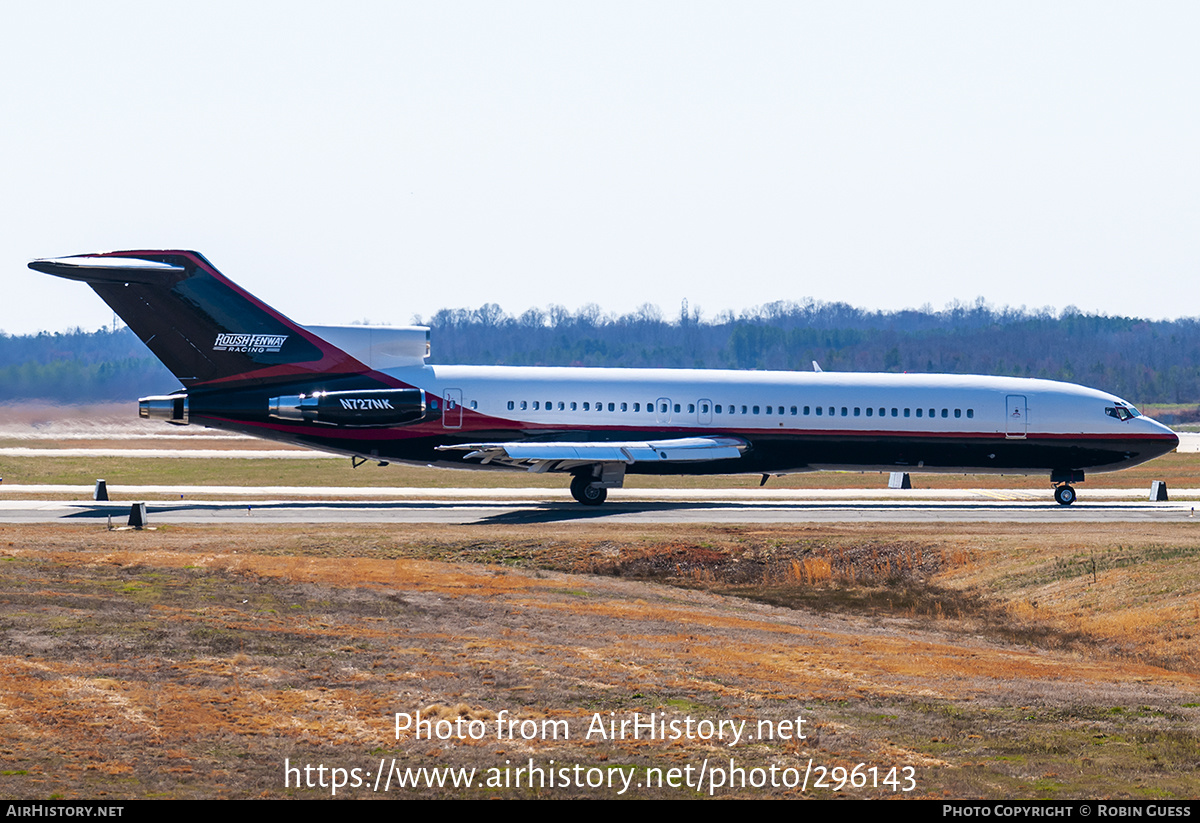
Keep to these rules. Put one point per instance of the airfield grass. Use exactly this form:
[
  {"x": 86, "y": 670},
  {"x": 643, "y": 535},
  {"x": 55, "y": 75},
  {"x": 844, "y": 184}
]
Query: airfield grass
[
  {"x": 1178, "y": 470},
  {"x": 994, "y": 661}
]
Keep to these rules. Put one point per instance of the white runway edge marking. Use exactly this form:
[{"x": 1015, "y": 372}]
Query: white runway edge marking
[{"x": 507, "y": 495}]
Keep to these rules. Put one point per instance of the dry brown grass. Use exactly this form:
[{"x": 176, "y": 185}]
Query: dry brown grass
[{"x": 192, "y": 660}]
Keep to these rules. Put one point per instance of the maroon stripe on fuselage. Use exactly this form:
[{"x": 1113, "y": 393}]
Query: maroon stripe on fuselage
[{"x": 475, "y": 421}]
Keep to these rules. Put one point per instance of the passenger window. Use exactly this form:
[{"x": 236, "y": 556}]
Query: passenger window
[
  {"x": 574, "y": 406},
  {"x": 612, "y": 406},
  {"x": 970, "y": 412},
  {"x": 637, "y": 407},
  {"x": 756, "y": 409},
  {"x": 704, "y": 408},
  {"x": 907, "y": 412},
  {"x": 793, "y": 411},
  {"x": 882, "y": 411},
  {"x": 535, "y": 405},
  {"x": 769, "y": 409},
  {"x": 624, "y": 407},
  {"x": 677, "y": 408},
  {"x": 857, "y": 411},
  {"x": 831, "y": 411},
  {"x": 561, "y": 405},
  {"x": 717, "y": 409},
  {"x": 895, "y": 412},
  {"x": 870, "y": 411},
  {"x": 510, "y": 405},
  {"x": 806, "y": 411},
  {"x": 945, "y": 412},
  {"x": 845, "y": 411},
  {"x": 958, "y": 412},
  {"x": 820, "y": 411},
  {"x": 524, "y": 405},
  {"x": 919, "y": 412},
  {"x": 664, "y": 408},
  {"x": 587, "y": 406},
  {"x": 744, "y": 410},
  {"x": 474, "y": 404},
  {"x": 691, "y": 408}
]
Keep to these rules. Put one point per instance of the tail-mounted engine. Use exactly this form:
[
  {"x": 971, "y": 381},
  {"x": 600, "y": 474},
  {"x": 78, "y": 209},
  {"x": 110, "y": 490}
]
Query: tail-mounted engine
[
  {"x": 170, "y": 407},
  {"x": 362, "y": 409}
]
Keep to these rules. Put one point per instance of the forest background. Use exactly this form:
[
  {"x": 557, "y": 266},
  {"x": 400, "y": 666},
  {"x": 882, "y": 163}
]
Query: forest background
[{"x": 1144, "y": 361}]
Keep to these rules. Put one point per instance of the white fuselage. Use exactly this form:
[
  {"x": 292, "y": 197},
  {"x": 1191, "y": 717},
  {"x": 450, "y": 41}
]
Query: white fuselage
[
  {"x": 774, "y": 401},
  {"x": 932, "y": 410}
]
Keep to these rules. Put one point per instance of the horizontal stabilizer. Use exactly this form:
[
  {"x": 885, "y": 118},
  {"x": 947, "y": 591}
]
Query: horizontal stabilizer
[{"x": 94, "y": 268}]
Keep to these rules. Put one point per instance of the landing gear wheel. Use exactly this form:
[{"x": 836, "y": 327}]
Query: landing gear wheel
[
  {"x": 1064, "y": 495},
  {"x": 587, "y": 494}
]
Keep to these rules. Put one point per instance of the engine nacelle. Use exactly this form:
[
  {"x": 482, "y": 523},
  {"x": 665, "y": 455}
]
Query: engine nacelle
[
  {"x": 362, "y": 409},
  {"x": 170, "y": 407}
]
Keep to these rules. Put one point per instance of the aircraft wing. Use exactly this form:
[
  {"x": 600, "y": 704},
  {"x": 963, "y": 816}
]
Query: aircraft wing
[{"x": 540, "y": 456}]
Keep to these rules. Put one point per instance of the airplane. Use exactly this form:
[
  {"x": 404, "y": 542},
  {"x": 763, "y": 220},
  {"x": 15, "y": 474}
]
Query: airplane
[{"x": 368, "y": 393}]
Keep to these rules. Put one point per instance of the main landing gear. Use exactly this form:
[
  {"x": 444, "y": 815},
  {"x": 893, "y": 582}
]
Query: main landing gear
[
  {"x": 586, "y": 493},
  {"x": 1064, "y": 495}
]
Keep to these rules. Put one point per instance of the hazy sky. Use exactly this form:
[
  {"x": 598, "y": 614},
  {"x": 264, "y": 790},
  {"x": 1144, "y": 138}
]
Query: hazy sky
[{"x": 376, "y": 160}]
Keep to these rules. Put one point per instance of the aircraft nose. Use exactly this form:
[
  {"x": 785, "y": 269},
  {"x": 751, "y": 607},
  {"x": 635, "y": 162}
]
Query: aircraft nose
[
  {"x": 1168, "y": 438},
  {"x": 1175, "y": 439}
]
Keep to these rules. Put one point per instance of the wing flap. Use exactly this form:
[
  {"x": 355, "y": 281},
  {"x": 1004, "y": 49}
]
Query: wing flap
[{"x": 678, "y": 450}]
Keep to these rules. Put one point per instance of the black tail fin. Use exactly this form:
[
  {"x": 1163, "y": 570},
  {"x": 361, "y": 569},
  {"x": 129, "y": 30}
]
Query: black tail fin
[{"x": 200, "y": 324}]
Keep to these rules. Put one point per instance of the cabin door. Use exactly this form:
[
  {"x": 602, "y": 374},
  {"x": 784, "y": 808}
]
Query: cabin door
[
  {"x": 452, "y": 413},
  {"x": 662, "y": 410},
  {"x": 704, "y": 410},
  {"x": 1018, "y": 424}
]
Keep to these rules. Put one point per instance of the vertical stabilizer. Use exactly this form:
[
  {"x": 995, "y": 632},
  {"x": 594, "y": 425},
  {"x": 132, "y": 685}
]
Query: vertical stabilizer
[{"x": 202, "y": 326}]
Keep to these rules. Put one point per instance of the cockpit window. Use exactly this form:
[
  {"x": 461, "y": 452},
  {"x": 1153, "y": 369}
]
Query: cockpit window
[{"x": 1122, "y": 412}]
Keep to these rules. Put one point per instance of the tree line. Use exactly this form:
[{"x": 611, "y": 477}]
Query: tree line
[
  {"x": 79, "y": 367},
  {"x": 1142, "y": 360}
]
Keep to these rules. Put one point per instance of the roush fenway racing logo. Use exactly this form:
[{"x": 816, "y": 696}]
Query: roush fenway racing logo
[{"x": 250, "y": 343}]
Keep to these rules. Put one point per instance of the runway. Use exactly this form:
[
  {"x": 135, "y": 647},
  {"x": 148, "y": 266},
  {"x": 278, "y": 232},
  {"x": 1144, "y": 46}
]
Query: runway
[
  {"x": 520, "y": 506},
  {"x": 317, "y": 505}
]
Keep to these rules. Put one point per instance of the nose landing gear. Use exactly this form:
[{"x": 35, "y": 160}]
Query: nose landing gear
[{"x": 1062, "y": 479}]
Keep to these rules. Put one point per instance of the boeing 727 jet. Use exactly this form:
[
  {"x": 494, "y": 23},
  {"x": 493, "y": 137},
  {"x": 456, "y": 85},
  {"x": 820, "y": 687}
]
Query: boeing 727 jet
[{"x": 367, "y": 392}]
